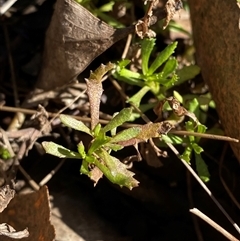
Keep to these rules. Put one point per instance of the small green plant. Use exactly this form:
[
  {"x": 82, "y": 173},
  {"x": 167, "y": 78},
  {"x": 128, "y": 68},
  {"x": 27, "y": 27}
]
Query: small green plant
[
  {"x": 97, "y": 158},
  {"x": 157, "y": 77}
]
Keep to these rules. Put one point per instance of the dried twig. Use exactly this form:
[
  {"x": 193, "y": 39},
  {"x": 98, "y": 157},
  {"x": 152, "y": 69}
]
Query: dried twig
[
  {"x": 213, "y": 224},
  {"x": 189, "y": 168}
]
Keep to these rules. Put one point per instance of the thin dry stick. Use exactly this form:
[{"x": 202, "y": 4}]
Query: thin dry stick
[
  {"x": 31, "y": 182},
  {"x": 50, "y": 175},
  {"x": 67, "y": 106},
  {"x": 204, "y": 135},
  {"x": 17, "y": 166},
  {"x": 126, "y": 125},
  {"x": 51, "y": 114},
  {"x": 213, "y": 224},
  {"x": 127, "y": 46},
  {"x": 175, "y": 151},
  {"x": 6, "y": 5},
  {"x": 190, "y": 198},
  {"x": 222, "y": 180}
]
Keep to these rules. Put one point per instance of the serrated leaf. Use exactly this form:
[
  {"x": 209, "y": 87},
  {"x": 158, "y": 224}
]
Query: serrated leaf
[
  {"x": 74, "y": 124},
  {"x": 146, "y": 50},
  {"x": 116, "y": 171},
  {"x": 169, "y": 82},
  {"x": 123, "y": 116},
  {"x": 202, "y": 168},
  {"x": 162, "y": 58},
  {"x": 94, "y": 91},
  {"x": 60, "y": 151},
  {"x": 97, "y": 75}
]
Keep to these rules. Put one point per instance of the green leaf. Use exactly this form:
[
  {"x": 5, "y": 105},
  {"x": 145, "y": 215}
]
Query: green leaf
[
  {"x": 130, "y": 81},
  {"x": 194, "y": 106},
  {"x": 136, "y": 99},
  {"x": 170, "y": 82},
  {"x": 126, "y": 134},
  {"x": 169, "y": 67},
  {"x": 107, "y": 7},
  {"x": 74, "y": 124},
  {"x": 123, "y": 116},
  {"x": 173, "y": 139},
  {"x": 84, "y": 168},
  {"x": 186, "y": 156},
  {"x": 162, "y": 58},
  {"x": 122, "y": 64},
  {"x": 116, "y": 171},
  {"x": 81, "y": 150},
  {"x": 202, "y": 128},
  {"x": 60, "y": 151},
  {"x": 113, "y": 146},
  {"x": 197, "y": 149},
  {"x": 202, "y": 168},
  {"x": 97, "y": 143},
  {"x": 190, "y": 127},
  {"x": 90, "y": 159},
  {"x": 130, "y": 74},
  {"x": 178, "y": 96},
  {"x": 187, "y": 73},
  {"x": 114, "y": 130},
  {"x": 97, "y": 129},
  {"x": 146, "y": 48}
]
